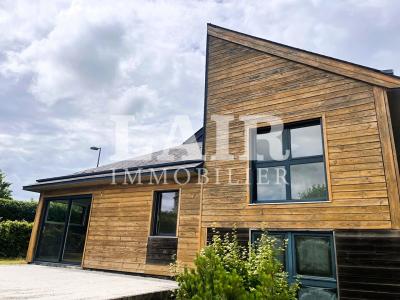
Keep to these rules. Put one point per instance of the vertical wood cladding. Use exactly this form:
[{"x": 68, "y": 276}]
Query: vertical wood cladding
[
  {"x": 243, "y": 81},
  {"x": 368, "y": 264}
]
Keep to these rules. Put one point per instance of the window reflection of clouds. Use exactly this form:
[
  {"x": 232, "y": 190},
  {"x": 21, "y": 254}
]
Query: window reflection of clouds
[
  {"x": 268, "y": 147},
  {"x": 272, "y": 186},
  {"x": 306, "y": 141},
  {"x": 168, "y": 202}
]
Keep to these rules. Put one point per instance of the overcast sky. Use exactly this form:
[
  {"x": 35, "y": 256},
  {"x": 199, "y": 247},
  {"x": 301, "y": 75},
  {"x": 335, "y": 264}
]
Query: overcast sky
[{"x": 68, "y": 67}]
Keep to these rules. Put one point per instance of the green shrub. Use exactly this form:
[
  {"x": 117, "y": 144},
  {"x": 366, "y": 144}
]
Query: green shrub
[
  {"x": 17, "y": 210},
  {"x": 14, "y": 238},
  {"x": 225, "y": 270}
]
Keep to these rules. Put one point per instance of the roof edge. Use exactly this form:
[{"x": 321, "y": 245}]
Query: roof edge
[
  {"x": 91, "y": 178},
  {"x": 176, "y": 163}
]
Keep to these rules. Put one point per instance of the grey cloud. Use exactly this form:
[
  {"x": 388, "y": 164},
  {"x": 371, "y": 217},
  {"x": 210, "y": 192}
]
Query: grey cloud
[{"x": 67, "y": 67}]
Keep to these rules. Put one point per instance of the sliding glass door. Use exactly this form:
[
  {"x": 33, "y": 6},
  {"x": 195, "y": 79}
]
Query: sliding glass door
[{"x": 63, "y": 230}]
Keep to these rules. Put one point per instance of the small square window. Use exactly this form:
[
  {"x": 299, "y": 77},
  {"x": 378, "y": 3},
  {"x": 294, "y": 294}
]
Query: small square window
[{"x": 313, "y": 255}]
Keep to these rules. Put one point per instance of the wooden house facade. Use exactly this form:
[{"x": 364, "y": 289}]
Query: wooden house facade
[{"x": 331, "y": 189}]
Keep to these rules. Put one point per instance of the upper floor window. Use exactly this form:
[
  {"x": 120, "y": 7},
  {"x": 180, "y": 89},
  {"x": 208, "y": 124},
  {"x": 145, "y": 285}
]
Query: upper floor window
[
  {"x": 165, "y": 213},
  {"x": 289, "y": 166}
]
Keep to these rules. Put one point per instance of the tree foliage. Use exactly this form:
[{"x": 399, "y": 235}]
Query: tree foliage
[
  {"x": 317, "y": 191},
  {"x": 17, "y": 210},
  {"x": 5, "y": 191},
  {"x": 225, "y": 270}
]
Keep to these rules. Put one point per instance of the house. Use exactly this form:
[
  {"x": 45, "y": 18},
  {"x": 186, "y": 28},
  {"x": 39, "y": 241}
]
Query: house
[{"x": 296, "y": 143}]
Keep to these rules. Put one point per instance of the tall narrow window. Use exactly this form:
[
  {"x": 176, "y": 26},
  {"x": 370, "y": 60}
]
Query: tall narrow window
[
  {"x": 290, "y": 167},
  {"x": 165, "y": 213}
]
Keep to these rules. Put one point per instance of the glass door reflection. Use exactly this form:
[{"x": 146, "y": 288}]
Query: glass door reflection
[
  {"x": 52, "y": 235},
  {"x": 63, "y": 231},
  {"x": 76, "y": 231}
]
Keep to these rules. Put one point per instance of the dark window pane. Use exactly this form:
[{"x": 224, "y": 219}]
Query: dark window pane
[
  {"x": 79, "y": 211},
  {"x": 280, "y": 245},
  {"x": 314, "y": 293},
  {"x": 313, "y": 256},
  {"x": 51, "y": 237},
  {"x": 56, "y": 211},
  {"x": 256, "y": 236},
  {"x": 306, "y": 141},
  {"x": 269, "y": 147},
  {"x": 308, "y": 181},
  {"x": 271, "y": 183},
  {"x": 167, "y": 213},
  {"x": 50, "y": 242},
  {"x": 76, "y": 233}
]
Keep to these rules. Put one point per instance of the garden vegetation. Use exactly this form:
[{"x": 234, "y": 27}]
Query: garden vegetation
[{"x": 226, "y": 270}]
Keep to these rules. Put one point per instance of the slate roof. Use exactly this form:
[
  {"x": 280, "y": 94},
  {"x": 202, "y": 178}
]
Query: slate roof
[{"x": 188, "y": 156}]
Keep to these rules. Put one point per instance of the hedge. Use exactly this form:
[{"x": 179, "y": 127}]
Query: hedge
[
  {"x": 14, "y": 238},
  {"x": 17, "y": 210}
]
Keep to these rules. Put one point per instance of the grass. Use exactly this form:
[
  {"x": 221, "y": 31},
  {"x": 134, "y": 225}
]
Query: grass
[{"x": 12, "y": 261}]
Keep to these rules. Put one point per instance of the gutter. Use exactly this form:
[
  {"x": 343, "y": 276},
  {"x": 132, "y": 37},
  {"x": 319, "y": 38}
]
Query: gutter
[{"x": 108, "y": 176}]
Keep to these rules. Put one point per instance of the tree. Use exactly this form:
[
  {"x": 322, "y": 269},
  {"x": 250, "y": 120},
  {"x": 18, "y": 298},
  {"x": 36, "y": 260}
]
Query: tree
[
  {"x": 5, "y": 191},
  {"x": 317, "y": 191},
  {"x": 225, "y": 270}
]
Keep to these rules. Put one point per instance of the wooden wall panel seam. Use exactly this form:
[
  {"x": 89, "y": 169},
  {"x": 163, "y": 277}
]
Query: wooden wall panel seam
[
  {"x": 389, "y": 156},
  {"x": 87, "y": 230}
]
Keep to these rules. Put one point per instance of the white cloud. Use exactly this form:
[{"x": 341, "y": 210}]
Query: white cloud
[{"x": 67, "y": 66}]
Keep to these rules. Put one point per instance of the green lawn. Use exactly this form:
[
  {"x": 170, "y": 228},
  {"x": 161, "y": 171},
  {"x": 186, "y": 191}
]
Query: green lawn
[{"x": 12, "y": 261}]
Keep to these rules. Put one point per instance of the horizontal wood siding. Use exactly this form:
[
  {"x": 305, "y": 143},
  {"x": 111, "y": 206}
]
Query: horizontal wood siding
[
  {"x": 311, "y": 59},
  {"x": 368, "y": 264},
  {"x": 244, "y": 81},
  {"x": 119, "y": 227},
  {"x": 242, "y": 234}
]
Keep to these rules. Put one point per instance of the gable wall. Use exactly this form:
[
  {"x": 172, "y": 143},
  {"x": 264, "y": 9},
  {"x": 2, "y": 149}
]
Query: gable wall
[{"x": 243, "y": 81}]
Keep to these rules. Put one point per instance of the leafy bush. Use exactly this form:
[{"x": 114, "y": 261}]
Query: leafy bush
[
  {"x": 17, "y": 210},
  {"x": 226, "y": 270},
  {"x": 14, "y": 238}
]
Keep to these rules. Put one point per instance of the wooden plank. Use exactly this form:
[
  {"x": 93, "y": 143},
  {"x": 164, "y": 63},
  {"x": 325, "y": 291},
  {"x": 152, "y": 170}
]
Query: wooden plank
[
  {"x": 311, "y": 59},
  {"x": 35, "y": 231},
  {"x": 356, "y": 175},
  {"x": 118, "y": 231},
  {"x": 389, "y": 154}
]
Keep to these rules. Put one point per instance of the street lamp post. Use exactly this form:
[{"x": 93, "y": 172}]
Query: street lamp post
[{"x": 97, "y": 149}]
